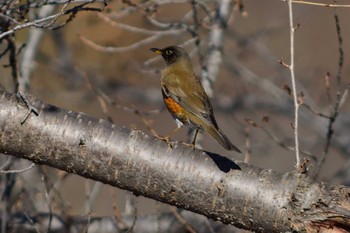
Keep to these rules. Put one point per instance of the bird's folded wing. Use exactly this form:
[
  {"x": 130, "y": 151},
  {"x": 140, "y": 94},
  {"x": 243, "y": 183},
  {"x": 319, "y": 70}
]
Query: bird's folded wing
[{"x": 189, "y": 99}]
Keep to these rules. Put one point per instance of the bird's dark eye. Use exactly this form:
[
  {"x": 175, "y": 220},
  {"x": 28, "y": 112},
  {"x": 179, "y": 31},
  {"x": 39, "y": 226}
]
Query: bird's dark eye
[{"x": 168, "y": 52}]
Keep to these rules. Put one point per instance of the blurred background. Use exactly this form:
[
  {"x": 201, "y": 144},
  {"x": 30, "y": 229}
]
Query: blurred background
[{"x": 100, "y": 64}]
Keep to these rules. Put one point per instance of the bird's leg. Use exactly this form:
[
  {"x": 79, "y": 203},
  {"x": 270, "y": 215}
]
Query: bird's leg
[
  {"x": 193, "y": 143},
  {"x": 167, "y": 138},
  {"x": 194, "y": 138}
]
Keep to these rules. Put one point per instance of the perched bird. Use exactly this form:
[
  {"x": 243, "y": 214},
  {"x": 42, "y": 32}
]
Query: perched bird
[{"x": 184, "y": 95}]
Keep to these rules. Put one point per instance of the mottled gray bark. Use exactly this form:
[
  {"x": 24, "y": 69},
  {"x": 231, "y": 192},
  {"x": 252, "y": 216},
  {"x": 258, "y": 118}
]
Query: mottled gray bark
[{"x": 199, "y": 181}]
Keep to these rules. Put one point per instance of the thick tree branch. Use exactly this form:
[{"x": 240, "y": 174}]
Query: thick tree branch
[{"x": 202, "y": 182}]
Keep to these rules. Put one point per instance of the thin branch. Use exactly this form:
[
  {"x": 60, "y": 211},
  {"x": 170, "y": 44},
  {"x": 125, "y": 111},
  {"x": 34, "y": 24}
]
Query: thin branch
[
  {"x": 27, "y": 61},
  {"x": 182, "y": 220},
  {"x": 295, "y": 97},
  {"x": 131, "y": 209},
  {"x": 341, "y": 54},
  {"x": 133, "y": 46},
  {"x": 277, "y": 141},
  {"x": 31, "y": 222},
  {"x": 17, "y": 170},
  {"x": 216, "y": 41},
  {"x": 60, "y": 2},
  {"x": 134, "y": 29},
  {"x": 314, "y": 111},
  {"x": 39, "y": 22},
  {"x": 344, "y": 96},
  {"x": 339, "y": 96},
  {"x": 13, "y": 62},
  {"x": 318, "y": 4},
  {"x": 31, "y": 108},
  {"x": 35, "y": 23},
  {"x": 47, "y": 197}
]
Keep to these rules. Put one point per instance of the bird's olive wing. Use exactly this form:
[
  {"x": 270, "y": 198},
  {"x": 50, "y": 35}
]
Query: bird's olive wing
[{"x": 185, "y": 94}]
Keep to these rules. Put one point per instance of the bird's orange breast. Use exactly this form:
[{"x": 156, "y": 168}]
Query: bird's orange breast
[{"x": 174, "y": 107}]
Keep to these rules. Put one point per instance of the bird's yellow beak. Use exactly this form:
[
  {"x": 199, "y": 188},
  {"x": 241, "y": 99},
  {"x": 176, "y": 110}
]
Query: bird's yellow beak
[{"x": 157, "y": 51}]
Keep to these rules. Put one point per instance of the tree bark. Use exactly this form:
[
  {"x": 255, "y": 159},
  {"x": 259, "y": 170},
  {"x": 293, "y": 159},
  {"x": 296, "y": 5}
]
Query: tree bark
[{"x": 200, "y": 181}]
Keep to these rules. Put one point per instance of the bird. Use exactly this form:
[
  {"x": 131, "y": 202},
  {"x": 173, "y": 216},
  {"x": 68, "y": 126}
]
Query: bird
[{"x": 185, "y": 97}]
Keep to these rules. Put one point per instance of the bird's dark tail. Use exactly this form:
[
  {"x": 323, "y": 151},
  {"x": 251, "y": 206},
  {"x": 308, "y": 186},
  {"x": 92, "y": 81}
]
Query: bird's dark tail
[{"x": 222, "y": 139}]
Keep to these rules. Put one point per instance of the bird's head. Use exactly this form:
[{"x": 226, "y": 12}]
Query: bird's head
[{"x": 172, "y": 54}]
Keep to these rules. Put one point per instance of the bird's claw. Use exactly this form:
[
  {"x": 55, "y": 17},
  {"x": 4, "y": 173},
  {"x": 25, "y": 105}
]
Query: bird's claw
[{"x": 165, "y": 139}]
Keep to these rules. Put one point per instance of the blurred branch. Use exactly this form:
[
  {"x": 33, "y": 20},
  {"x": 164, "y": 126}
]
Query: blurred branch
[
  {"x": 47, "y": 189},
  {"x": 276, "y": 139},
  {"x": 133, "y": 46},
  {"x": 214, "y": 57},
  {"x": 12, "y": 48},
  {"x": 339, "y": 95},
  {"x": 154, "y": 35},
  {"x": 14, "y": 17},
  {"x": 17, "y": 170},
  {"x": 314, "y": 111},
  {"x": 141, "y": 30},
  {"x": 39, "y": 22},
  {"x": 182, "y": 220},
  {"x": 199, "y": 181},
  {"x": 277, "y": 102},
  {"x": 253, "y": 43},
  {"x": 150, "y": 223},
  {"x": 27, "y": 61}
]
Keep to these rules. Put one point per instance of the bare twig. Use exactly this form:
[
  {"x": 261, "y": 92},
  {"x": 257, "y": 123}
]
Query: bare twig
[
  {"x": 314, "y": 111},
  {"x": 104, "y": 101},
  {"x": 90, "y": 200},
  {"x": 169, "y": 31},
  {"x": 117, "y": 214},
  {"x": 278, "y": 141},
  {"x": 344, "y": 96},
  {"x": 210, "y": 73},
  {"x": 133, "y": 46},
  {"x": 31, "y": 108},
  {"x": 91, "y": 195},
  {"x": 131, "y": 209},
  {"x": 318, "y": 4},
  {"x": 39, "y": 23},
  {"x": 60, "y": 2},
  {"x": 47, "y": 197},
  {"x": 295, "y": 98},
  {"x": 13, "y": 62},
  {"x": 27, "y": 60},
  {"x": 30, "y": 220},
  {"x": 339, "y": 96},
  {"x": 182, "y": 220},
  {"x": 29, "y": 24},
  {"x": 17, "y": 170}
]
